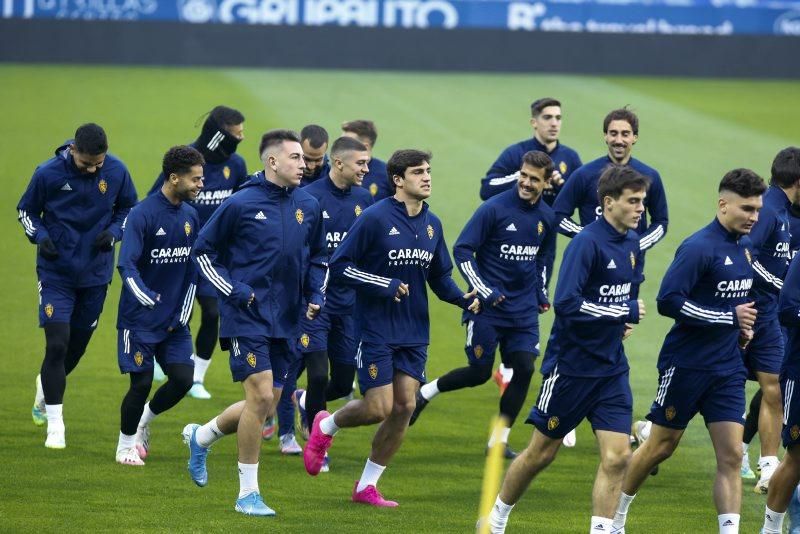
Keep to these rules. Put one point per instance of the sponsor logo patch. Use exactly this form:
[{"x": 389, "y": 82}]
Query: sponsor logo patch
[
  {"x": 138, "y": 359},
  {"x": 304, "y": 340},
  {"x": 187, "y": 228},
  {"x": 251, "y": 359},
  {"x": 102, "y": 185},
  {"x": 48, "y": 310},
  {"x": 358, "y": 210},
  {"x": 430, "y": 232},
  {"x": 373, "y": 371},
  {"x": 299, "y": 216},
  {"x": 552, "y": 423}
]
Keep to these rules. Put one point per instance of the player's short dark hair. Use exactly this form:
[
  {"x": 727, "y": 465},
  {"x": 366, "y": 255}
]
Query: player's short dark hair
[
  {"x": 225, "y": 116},
  {"x": 786, "y": 167},
  {"x": 91, "y": 139},
  {"x": 315, "y": 134},
  {"x": 362, "y": 128},
  {"x": 622, "y": 114},
  {"x": 276, "y": 137},
  {"x": 402, "y": 160},
  {"x": 540, "y": 160},
  {"x": 538, "y": 105},
  {"x": 743, "y": 182},
  {"x": 180, "y": 160},
  {"x": 346, "y": 144},
  {"x": 617, "y": 178}
]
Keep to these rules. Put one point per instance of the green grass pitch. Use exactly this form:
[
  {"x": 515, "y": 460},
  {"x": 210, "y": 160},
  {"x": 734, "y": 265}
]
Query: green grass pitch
[{"x": 691, "y": 130}]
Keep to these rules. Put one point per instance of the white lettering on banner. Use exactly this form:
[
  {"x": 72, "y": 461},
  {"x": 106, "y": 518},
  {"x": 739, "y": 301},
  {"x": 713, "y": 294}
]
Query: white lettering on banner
[
  {"x": 788, "y": 23},
  {"x": 197, "y": 11},
  {"x": 341, "y": 12},
  {"x": 417, "y": 14},
  {"x": 260, "y": 11},
  {"x": 522, "y": 15},
  {"x": 91, "y": 9}
]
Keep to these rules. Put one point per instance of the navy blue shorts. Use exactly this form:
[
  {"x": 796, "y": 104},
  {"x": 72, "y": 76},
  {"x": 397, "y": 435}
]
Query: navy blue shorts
[
  {"x": 251, "y": 355},
  {"x": 136, "y": 351},
  {"x": 376, "y": 363},
  {"x": 765, "y": 351},
  {"x": 333, "y": 333},
  {"x": 205, "y": 288},
  {"x": 483, "y": 339},
  {"x": 79, "y": 307},
  {"x": 791, "y": 412},
  {"x": 564, "y": 401},
  {"x": 682, "y": 393}
]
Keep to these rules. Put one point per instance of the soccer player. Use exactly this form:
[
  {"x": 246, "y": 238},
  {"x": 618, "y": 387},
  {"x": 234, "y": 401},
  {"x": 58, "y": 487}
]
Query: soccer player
[
  {"x": 706, "y": 290},
  {"x": 391, "y": 251},
  {"x": 224, "y": 172},
  {"x": 771, "y": 239},
  {"x": 334, "y": 335},
  {"x": 73, "y": 210},
  {"x": 546, "y": 123},
  {"x": 502, "y": 252},
  {"x": 621, "y": 131},
  {"x": 264, "y": 251},
  {"x": 159, "y": 283},
  {"x": 586, "y": 373},
  {"x": 377, "y": 180},
  {"x": 314, "y": 140}
]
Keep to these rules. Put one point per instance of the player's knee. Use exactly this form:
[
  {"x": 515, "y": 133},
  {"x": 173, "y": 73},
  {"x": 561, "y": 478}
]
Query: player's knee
[
  {"x": 404, "y": 408},
  {"x": 141, "y": 383},
  {"x": 523, "y": 368},
  {"x": 479, "y": 374},
  {"x": 339, "y": 388},
  {"x": 56, "y": 348},
  {"x": 771, "y": 395},
  {"x": 616, "y": 460},
  {"x": 317, "y": 381},
  {"x": 209, "y": 310},
  {"x": 182, "y": 382}
]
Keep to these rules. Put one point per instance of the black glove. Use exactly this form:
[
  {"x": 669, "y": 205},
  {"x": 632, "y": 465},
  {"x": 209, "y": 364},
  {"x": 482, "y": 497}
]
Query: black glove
[
  {"x": 48, "y": 249},
  {"x": 104, "y": 241}
]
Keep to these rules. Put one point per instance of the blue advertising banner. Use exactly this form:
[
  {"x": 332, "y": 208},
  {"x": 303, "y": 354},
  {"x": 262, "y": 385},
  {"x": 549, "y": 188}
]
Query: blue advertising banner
[{"x": 686, "y": 17}]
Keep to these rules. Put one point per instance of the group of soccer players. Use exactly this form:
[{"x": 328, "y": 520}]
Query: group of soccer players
[{"x": 290, "y": 262}]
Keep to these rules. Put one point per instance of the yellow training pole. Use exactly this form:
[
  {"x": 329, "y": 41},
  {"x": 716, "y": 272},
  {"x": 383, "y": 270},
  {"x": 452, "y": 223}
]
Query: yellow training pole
[{"x": 491, "y": 474}]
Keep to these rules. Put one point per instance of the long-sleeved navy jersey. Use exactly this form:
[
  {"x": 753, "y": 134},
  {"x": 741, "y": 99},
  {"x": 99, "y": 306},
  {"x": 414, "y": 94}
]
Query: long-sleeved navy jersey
[
  {"x": 504, "y": 172},
  {"x": 158, "y": 277},
  {"x": 385, "y": 247},
  {"x": 72, "y": 208},
  {"x": 220, "y": 180},
  {"x": 595, "y": 297},
  {"x": 793, "y": 212},
  {"x": 506, "y": 248},
  {"x": 270, "y": 241},
  {"x": 771, "y": 238},
  {"x": 789, "y": 314},
  {"x": 580, "y": 192},
  {"x": 340, "y": 209},
  {"x": 710, "y": 275},
  {"x": 376, "y": 181}
]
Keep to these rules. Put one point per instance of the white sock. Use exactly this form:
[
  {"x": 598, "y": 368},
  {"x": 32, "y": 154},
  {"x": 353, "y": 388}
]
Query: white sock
[
  {"x": 430, "y": 390},
  {"x": 773, "y": 522},
  {"x": 600, "y": 524},
  {"x": 55, "y": 419},
  {"x": 147, "y": 415},
  {"x": 502, "y": 437},
  {"x": 248, "y": 479},
  {"x": 499, "y": 515},
  {"x": 507, "y": 372},
  {"x": 302, "y": 401},
  {"x": 200, "y": 368},
  {"x": 328, "y": 425},
  {"x": 39, "y": 399},
  {"x": 369, "y": 477},
  {"x": 625, "y": 501},
  {"x": 728, "y": 523},
  {"x": 125, "y": 442},
  {"x": 208, "y": 434}
]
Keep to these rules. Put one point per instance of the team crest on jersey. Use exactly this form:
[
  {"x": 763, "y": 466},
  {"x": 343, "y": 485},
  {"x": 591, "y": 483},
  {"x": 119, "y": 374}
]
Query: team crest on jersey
[
  {"x": 430, "y": 232},
  {"x": 373, "y": 371},
  {"x": 669, "y": 413},
  {"x": 358, "y": 210},
  {"x": 373, "y": 189},
  {"x": 795, "y": 432},
  {"x": 226, "y": 172},
  {"x": 478, "y": 351},
  {"x": 299, "y": 216},
  {"x": 540, "y": 228},
  {"x": 552, "y": 423},
  {"x": 251, "y": 359},
  {"x": 102, "y": 185},
  {"x": 187, "y": 228},
  {"x": 138, "y": 359},
  {"x": 304, "y": 340},
  {"x": 747, "y": 255},
  {"x": 562, "y": 167},
  {"x": 48, "y": 310},
  {"x": 633, "y": 261}
]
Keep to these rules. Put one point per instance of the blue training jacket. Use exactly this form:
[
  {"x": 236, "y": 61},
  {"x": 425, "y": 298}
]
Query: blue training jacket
[
  {"x": 340, "y": 209},
  {"x": 710, "y": 275},
  {"x": 267, "y": 240},
  {"x": 596, "y": 295},
  {"x": 220, "y": 180},
  {"x": 158, "y": 278},
  {"x": 580, "y": 192},
  {"x": 789, "y": 314},
  {"x": 771, "y": 238},
  {"x": 504, "y": 172},
  {"x": 507, "y": 248},
  {"x": 72, "y": 208},
  {"x": 385, "y": 247}
]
